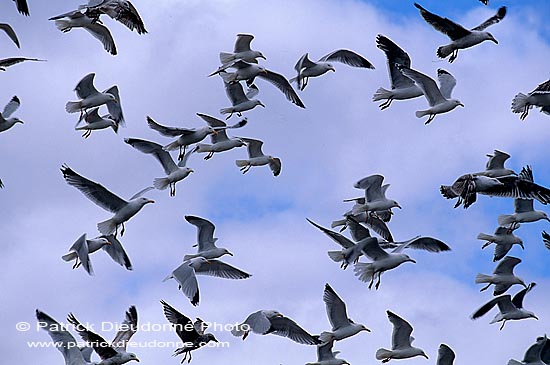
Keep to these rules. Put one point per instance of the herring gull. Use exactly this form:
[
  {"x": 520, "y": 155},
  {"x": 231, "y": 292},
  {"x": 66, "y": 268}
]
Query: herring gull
[
  {"x": 5, "y": 121},
  {"x": 401, "y": 341},
  {"x": 503, "y": 276},
  {"x": 81, "y": 249},
  {"x": 257, "y": 158},
  {"x": 242, "y": 51},
  {"x": 206, "y": 241},
  {"x": 540, "y": 97},
  {"x": 503, "y": 238},
  {"x": 120, "y": 10}
]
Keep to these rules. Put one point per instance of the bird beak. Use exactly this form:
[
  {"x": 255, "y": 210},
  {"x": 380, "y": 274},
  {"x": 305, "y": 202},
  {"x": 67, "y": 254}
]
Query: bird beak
[
  {"x": 548, "y": 219},
  {"x": 136, "y": 359},
  {"x": 230, "y": 254},
  {"x": 494, "y": 40},
  {"x": 426, "y": 356},
  {"x": 262, "y": 105},
  {"x": 191, "y": 170},
  {"x": 399, "y": 206},
  {"x": 462, "y": 105},
  {"x": 109, "y": 243},
  {"x": 262, "y": 56},
  {"x": 414, "y": 262},
  {"x": 150, "y": 201},
  {"x": 366, "y": 329},
  {"x": 264, "y": 72}
]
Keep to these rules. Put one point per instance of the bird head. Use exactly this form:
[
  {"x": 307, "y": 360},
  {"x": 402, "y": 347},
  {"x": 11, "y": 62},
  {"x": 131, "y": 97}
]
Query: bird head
[
  {"x": 331, "y": 67},
  {"x": 396, "y": 204},
  {"x": 210, "y": 337},
  {"x": 17, "y": 120},
  {"x": 364, "y": 328},
  {"x": 408, "y": 259},
  {"x": 259, "y": 103},
  {"x": 258, "y": 54},
  {"x": 132, "y": 357},
  {"x": 226, "y": 252},
  {"x": 491, "y": 38}
]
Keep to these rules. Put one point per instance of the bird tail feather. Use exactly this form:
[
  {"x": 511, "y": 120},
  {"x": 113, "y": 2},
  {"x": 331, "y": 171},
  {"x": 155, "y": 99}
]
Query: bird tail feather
[
  {"x": 241, "y": 163},
  {"x": 73, "y": 106},
  {"x": 447, "y": 192},
  {"x": 336, "y": 256},
  {"x": 63, "y": 25},
  {"x": 325, "y": 337},
  {"x": 107, "y": 227},
  {"x": 226, "y": 58},
  {"x": 519, "y": 102},
  {"x": 482, "y": 278},
  {"x": 337, "y": 223},
  {"x": 240, "y": 330},
  {"x": 421, "y": 113},
  {"x": 189, "y": 257},
  {"x": 381, "y": 94},
  {"x": 364, "y": 271},
  {"x": 444, "y": 51},
  {"x": 514, "y": 362},
  {"x": 383, "y": 353},
  {"x": 485, "y": 237},
  {"x": 161, "y": 183},
  {"x": 505, "y": 219},
  {"x": 171, "y": 146},
  {"x": 203, "y": 147},
  {"x": 69, "y": 256},
  {"x": 226, "y": 110}
]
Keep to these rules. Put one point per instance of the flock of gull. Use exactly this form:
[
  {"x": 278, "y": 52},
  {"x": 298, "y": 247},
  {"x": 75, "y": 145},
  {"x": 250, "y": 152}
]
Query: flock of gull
[{"x": 367, "y": 219}]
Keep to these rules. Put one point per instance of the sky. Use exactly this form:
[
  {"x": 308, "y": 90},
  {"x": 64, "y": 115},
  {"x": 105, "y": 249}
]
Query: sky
[{"x": 339, "y": 138}]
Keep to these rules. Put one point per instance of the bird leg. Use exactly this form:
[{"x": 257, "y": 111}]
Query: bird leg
[
  {"x": 304, "y": 83},
  {"x": 76, "y": 263},
  {"x": 87, "y": 133},
  {"x": 432, "y": 116},
  {"x": 485, "y": 287},
  {"x": 122, "y": 231},
  {"x": 486, "y": 244},
  {"x": 209, "y": 156},
  {"x": 246, "y": 168},
  {"x": 239, "y": 114},
  {"x": 525, "y": 112},
  {"x": 181, "y": 154},
  {"x": 503, "y": 323},
  {"x": 371, "y": 281},
  {"x": 454, "y": 55},
  {"x": 172, "y": 189},
  {"x": 378, "y": 283},
  {"x": 385, "y": 104}
]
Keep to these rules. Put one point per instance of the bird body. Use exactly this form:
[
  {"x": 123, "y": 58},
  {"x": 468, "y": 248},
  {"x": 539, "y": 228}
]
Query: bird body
[
  {"x": 80, "y": 250},
  {"x": 257, "y": 158},
  {"x": 540, "y": 97},
  {"x": 523, "y": 213},
  {"x": 242, "y": 51},
  {"x": 504, "y": 239},
  {"x": 206, "y": 241},
  {"x": 401, "y": 341},
  {"x": 503, "y": 276}
]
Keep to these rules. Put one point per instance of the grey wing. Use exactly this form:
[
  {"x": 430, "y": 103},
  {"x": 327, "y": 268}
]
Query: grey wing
[
  {"x": 183, "y": 161},
  {"x": 336, "y": 237},
  {"x": 497, "y": 160},
  {"x": 87, "y": 352},
  {"x": 324, "y": 352},
  {"x": 484, "y": 309},
  {"x": 128, "y": 328},
  {"x": 73, "y": 14},
  {"x": 117, "y": 252},
  {"x": 141, "y": 192},
  {"x": 401, "y": 335},
  {"x": 446, "y": 26},
  {"x": 282, "y": 84},
  {"x": 242, "y": 44},
  {"x": 181, "y": 322},
  {"x": 368, "y": 181},
  {"x": 222, "y": 270},
  {"x": 205, "y": 232},
  {"x": 156, "y": 150},
  {"x": 534, "y": 353},
  {"x": 93, "y": 191},
  {"x": 167, "y": 131},
  {"x": 348, "y": 57},
  {"x": 11, "y": 107},
  {"x": 22, "y": 7},
  {"x": 115, "y": 108},
  {"x": 251, "y": 91},
  {"x": 445, "y": 355},
  {"x": 378, "y": 226},
  {"x": 185, "y": 276},
  {"x": 103, "y": 34},
  {"x": 447, "y": 83},
  {"x": 124, "y": 12},
  {"x": 543, "y": 88},
  {"x": 7, "y": 62},
  {"x": 200, "y": 326},
  {"x": 254, "y": 147},
  {"x": 235, "y": 92},
  {"x": 545, "y": 353},
  {"x": 517, "y": 300},
  {"x": 492, "y": 20},
  {"x": 85, "y": 87},
  {"x": 286, "y": 327},
  {"x": 395, "y": 56},
  {"x": 275, "y": 166},
  {"x": 426, "y": 84},
  {"x": 10, "y": 32},
  {"x": 506, "y": 266},
  {"x": 373, "y": 250},
  {"x": 66, "y": 343},
  {"x": 424, "y": 243},
  {"x": 523, "y": 205},
  {"x": 219, "y": 137},
  {"x": 336, "y": 308},
  {"x": 81, "y": 248},
  {"x": 98, "y": 343},
  {"x": 211, "y": 121},
  {"x": 303, "y": 62},
  {"x": 545, "y": 238},
  {"x": 357, "y": 230},
  {"x": 92, "y": 116},
  {"x": 258, "y": 322}
]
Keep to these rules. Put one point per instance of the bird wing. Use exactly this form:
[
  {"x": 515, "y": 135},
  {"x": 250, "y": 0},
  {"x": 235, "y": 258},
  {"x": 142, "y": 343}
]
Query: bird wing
[
  {"x": 543, "y": 88},
  {"x": 124, "y": 12},
  {"x": 324, "y": 352},
  {"x": 11, "y": 107},
  {"x": 141, "y": 192},
  {"x": 534, "y": 353},
  {"x": 523, "y": 205},
  {"x": 401, "y": 335},
  {"x": 501, "y": 12},
  {"x": 395, "y": 56},
  {"x": 200, "y": 326},
  {"x": 127, "y": 329},
  {"x": 514, "y": 187},
  {"x": 303, "y": 62},
  {"x": 98, "y": 343},
  {"x": 65, "y": 342},
  {"x": 93, "y": 191},
  {"x": 184, "y": 326},
  {"x": 183, "y": 161},
  {"x": 275, "y": 166},
  {"x": 336, "y": 309},
  {"x": 368, "y": 181},
  {"x": 348, "y": 57},
  {"x": 211, "y": 121},
  {"x": 168, "y": 131},
  {"x": 10, "y": 32},
  {"x": 497, "y": 160},
  {"x": 447, "y": 83},
  {"x": 445, "y": 355},
  {"x": 378, "y": 226},
  {"x": 517, "y": 300},
  {"x": 446, "y": 26},
  {"x": 286, "y": 327},
  {"x": 336, "y": 237},
  {"x": 545, "y": 353},
  {"x": 254, "y": 147},
  {"x": 235, "y": 92},
  {"x": 156, "y": 150},
  {"x": 85, "y": 87},
  {"x": 242, "y": 44},
  {"x": 423, "y": 243},
  {"x": 282, "y": 84},
  {"x": 373, "y": 250},
  {"x": 22, "y": 7},
  {"x": 115, "y": 108},
  {"x": 185, "y": 276},
  {"x": 205, "y": 232},
  {"x": 103, "y": 34},
  {"x": 426, "y": 84},
  {"x": 506, "y": 266},
  {"x": 117, "y": 252},
  {"x": 7, "y": 62},
  {"x": 357, "y": 230},
  {"x": 81, "y": 248},
  {"x": 258, "y": 322},
  {"x": 485, "y": 308},
  {"x": 222, "y": 270},
  {"x": 545, "y": 239}
]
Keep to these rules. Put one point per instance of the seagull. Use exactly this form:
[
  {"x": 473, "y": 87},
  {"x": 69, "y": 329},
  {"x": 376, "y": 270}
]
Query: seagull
[
  {"x": 114, "y": 353},
  {"x": 191, "y": 334},
  {"x": 495, "y": 165},
  {"x": 65, "y": 342},
  {"x": 120, "y": 10},
  {"x": 401, "y": 341},
  {"x": 185, "y": 275},
  {"x": 80, "y": 250},
  {"x": 402, "y": 87},
  {"x": 534, "y": 354},
  {"x": 342, "y": 326},
  {"x": 5, "y": 121},
  {"x": 10, "y": 32},
  {"x": 461, "y": 37},
  {"x": 325, "y": 355},
  {"x": 7, "y": 62},
  {"x": 445, "y": 355},
  {"x": 439, "y": 98},
  {"x": 91, "y": 97},
  {"x": 116, "y": 251},
  {"x": 205, "y": 240},
  {"x": 189, "y": 136},
  {"x": 382, "y": 261},
  {"x": 241, "y": 51},
  {"x": 503, "y": 277},
  {"x": 77, "y": 19},
  {"x": 22, "y": 7},
  {"x": 375, "y": 195},
  {"x": 307, "y": 68},
  {"x": 174, "y": 173},
  {"x": 371, "y": 220},
  {"x": 523, "y": 213},
  {"x": 540, "y": 97},
  {"x": 264, "y": 322},
  {"x": 96, "y": 122},
  {"x": 249, "y": 71},
  {"x": 504, "y": 239},
  {"x": 240, "y": 102},
  {"x": 509, "y": 308},
  {"x": 257, "y": 158},
  {"x": 220, "y": 141},
  {"x": 123, "y": 210}
]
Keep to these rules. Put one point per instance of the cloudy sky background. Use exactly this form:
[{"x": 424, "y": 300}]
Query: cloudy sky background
[{"x": 341, "y": 137}]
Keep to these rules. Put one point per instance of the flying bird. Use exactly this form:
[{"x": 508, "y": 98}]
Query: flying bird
[
  {"x": 7, "y": 62},
  {"x": 81, "y": 249},
  {"x": 401, "y": 341},
  {"x": 509, "y": 308},
  {"x": 191, "y": 333},
  {"x": 220, "y": 141},
  {"x": 439, "y": 98},
  {"x": 402, "y": 87},
  {"x": 94, "y": 122},
  {"x": 241, "y": 52},
  {"x": 461, "y": 37},
  {"x": 503, "y": 276},
  {"x": 10, "y": 32},
  {"x": 114, "y": 353},
  {"x": 122, "y": 11},
  {"x": 174, "y": 173},
  {"x": 206, "y": 241},
  {"x": 264, "y": 322},
  {"x": 495, "y": 165},
  {"x": 371, "y": 220},
  {"x": 257, "y": 158},
  {"x": 307, "y": 68},
  {"x": 91, "y": 97},
  {"x": 523, "y": 213},
  {"x": 375, "y": 196},
  {"x": 325, "y": 355},
  {"x": 239, "y": 100},
  {"x": 540, "y": 97},
  {"x": 123, "y": 210},
  {"x": 504, "y": 239},
  {"x": 5, "y": 121},
  {"x": 445, "y": 355},
  {"x": 535, "y": 354}
]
